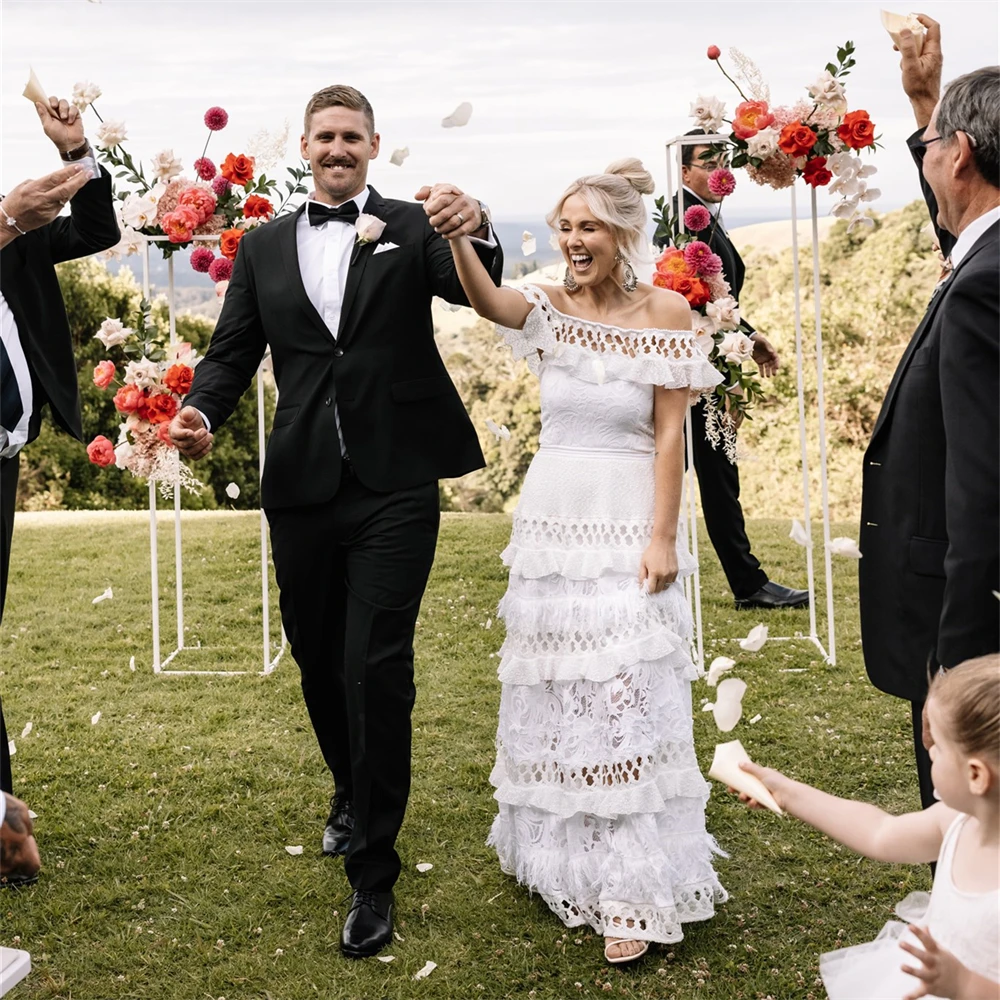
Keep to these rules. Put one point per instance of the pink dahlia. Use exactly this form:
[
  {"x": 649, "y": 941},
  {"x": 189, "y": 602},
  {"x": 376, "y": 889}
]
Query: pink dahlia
[
  {"x": 699, "y": 257},
  {"x": 201, "y": 259},
  {"x": 721, "y": 182},
  {"x": 205, "y": 168},
  {"x": 216, "y": 119},
  {"x": 697, "y": 218},
  {"x": 221, "y": 186},
  {"x": 221, "y": 269}
]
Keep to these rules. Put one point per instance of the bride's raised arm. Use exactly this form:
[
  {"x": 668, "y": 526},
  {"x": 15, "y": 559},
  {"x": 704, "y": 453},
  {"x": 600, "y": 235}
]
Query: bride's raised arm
[{"x": 501, "y": 305}]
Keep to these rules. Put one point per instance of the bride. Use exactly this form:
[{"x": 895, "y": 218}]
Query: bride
[{"x": 602, "y": 805}]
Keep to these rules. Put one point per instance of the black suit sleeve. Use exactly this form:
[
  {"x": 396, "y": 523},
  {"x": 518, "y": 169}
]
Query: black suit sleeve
[
  {"x": 970, "y": 403},
  {"x": 945, "y": 239},
  {"x": 91, "y": 226},
  {"x": 237, "y": 346},
  {"x": 441, "y": 273}
]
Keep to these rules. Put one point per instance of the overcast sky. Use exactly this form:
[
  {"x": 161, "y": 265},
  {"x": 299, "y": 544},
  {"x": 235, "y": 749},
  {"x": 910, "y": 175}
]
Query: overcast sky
[{"x": 558, "y": 88}]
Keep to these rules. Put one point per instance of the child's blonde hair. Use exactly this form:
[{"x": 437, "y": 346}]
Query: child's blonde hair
[{"x": 969, "y": 697}]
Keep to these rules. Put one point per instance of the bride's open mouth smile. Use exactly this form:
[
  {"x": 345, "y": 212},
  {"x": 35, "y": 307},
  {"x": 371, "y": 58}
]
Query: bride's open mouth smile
[{"x": 581, "y": 262}]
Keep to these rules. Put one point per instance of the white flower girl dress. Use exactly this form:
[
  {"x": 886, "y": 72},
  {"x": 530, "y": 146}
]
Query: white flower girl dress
[{"x": 601, "y": 803}]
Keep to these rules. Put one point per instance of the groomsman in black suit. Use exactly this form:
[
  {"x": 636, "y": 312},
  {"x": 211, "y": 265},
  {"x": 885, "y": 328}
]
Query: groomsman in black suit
[
  {"x": 718, "y": 478},
  {"x": 36, "y": 349},
  {"x": 930, "y": 530},
  {"x": 367, "y": 422}
]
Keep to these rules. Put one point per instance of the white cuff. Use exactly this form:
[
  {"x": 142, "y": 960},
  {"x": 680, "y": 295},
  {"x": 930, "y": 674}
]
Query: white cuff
[
  {"x": 490, "y": 241},
  {"x": 204, "y": 419}
]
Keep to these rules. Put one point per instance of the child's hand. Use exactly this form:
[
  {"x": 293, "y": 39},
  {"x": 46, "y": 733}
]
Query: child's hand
[
  {"x": 774, "y": 781},
  {"x": 940, "y": 973}
]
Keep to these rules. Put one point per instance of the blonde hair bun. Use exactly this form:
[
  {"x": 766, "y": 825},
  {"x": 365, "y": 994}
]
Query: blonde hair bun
[{"x": 632, "y": 170}]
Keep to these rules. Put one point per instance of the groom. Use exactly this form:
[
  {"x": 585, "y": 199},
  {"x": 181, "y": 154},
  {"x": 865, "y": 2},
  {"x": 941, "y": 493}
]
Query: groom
[{"x": 367, "y": 422}]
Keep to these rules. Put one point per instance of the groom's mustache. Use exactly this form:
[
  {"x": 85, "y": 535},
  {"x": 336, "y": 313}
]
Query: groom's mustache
[{"x": 338, "y": 163}]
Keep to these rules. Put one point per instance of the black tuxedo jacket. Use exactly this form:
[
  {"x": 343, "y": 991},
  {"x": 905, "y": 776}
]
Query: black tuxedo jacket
[
  {"x": 403, "y": 421},
  {"x": 733, "y": 268},
  {"x": 29, "y": 284},
  {"x": 930, "y": 533}
]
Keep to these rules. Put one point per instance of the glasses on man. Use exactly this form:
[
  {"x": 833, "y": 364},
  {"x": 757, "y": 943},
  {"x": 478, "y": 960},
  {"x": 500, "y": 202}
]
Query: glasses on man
[{"x": 937, "y": 138}]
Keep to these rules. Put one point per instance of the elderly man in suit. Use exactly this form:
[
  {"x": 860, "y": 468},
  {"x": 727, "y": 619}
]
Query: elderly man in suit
[
  {"x": 36, "y": 351},
  {"x": 930, "y": 531}
]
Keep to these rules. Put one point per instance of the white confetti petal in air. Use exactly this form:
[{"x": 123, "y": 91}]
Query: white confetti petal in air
[
  {"x": 845, "y": 547},
  {"x": 399, "y": 155},
  {"x": 728, "y": 708},
  {"x": 528, "y": 243},
  {"x": 232, "y": 491},
  {"x": 717, "y": 668},
  {"x": 106, "y": 596},
  {"x": 425, "y": 971},
  {"x": 497, "y": 430},
  {"x": 459, "y": 117},
  {"x": 799, "y": 536},
  {"x": 756, "y": 638},
  {"x": 554, "y": 241}
]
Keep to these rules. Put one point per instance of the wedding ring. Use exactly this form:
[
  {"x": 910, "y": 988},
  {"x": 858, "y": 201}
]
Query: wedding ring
[{"x": 460, "y": 219}]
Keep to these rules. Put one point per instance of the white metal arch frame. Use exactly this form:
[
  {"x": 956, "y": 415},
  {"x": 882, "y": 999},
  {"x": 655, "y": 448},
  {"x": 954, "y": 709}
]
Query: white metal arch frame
[
  {"x": 675, "y": 149},
  {"x": 270, "y": 657}
]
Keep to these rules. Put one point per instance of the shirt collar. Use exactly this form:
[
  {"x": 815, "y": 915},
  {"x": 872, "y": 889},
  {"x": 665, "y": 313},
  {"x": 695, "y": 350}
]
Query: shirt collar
[{"x": 968, "y": 237}]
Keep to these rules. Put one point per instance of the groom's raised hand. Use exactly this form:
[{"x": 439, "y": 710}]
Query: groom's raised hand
[
  {"x": 189, "y": 434},
  {"x": 451, "y": 212}
]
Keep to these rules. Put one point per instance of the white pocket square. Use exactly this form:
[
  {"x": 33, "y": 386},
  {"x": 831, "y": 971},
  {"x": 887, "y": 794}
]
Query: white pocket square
[{"x": 382, "y": 247}]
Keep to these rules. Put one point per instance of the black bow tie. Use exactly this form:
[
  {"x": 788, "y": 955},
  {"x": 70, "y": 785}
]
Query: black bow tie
[{"x": 320, "y": 214}]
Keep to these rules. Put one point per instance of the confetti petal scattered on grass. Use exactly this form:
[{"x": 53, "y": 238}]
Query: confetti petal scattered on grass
[
  {"x": 232, "y": 491},
  {"x": 845, "y": 547},
  {"x": 528, "y": 243},
  {"x": 425, "y": 971},
  {"x": 717, "y": 668},
  {"x": 11, "y": 749},
  {"x": 32, "y": 814},
  {"x": 399, "y": 155},
  {"x": 792, "y": 670},
  {"x": 459, "y": 117},
  {"x": 131, "y": 664},
  {"x": 756, "y": 638},
  {"x": 386, "y": 958},
  {"x": 399, "y": 937},
  {"x": 424, "y": 866},
  {"x": 294, "y": 850},
  {"x": 799, "y": 536},
  {"x": 27, "y": 729},
  {"x": 95, "y": 718},
  {"x": 106, "y": 596},
  {"x": 756, "y": 719}
]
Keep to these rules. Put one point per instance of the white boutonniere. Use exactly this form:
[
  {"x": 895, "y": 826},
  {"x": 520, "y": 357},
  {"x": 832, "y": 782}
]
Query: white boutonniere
[{"x": 369, "y": 228}]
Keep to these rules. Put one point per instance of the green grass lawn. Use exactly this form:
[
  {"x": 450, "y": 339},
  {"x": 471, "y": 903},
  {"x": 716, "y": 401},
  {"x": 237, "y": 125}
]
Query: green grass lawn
[{"x": 163, "y": 827}]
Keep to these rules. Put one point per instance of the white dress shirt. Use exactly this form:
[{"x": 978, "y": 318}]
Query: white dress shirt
[
  {"x": 12, "y": 439},
  {"x": 968, "y": 237}
]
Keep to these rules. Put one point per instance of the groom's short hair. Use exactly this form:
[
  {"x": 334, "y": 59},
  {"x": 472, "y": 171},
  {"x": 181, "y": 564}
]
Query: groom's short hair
[
  {"x": 687, "y": 152},
  {"x": 340, "y": 96}
]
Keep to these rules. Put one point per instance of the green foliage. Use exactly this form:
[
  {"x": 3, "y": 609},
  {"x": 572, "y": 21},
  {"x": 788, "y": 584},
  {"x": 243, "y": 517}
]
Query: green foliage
[{"x": 55, "y": 470}]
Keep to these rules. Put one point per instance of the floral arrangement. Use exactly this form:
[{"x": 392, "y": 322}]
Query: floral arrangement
[
  {"x": 223, "y": 201},
  {"x": 149, "y": 393},
  {"x": 818, "y": 139},
  {"x": 688, "y": 266}
]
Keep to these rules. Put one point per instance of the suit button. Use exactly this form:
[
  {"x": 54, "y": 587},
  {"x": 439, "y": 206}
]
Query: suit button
[
  {"x": 338, "y": 352},
  {"x": 327, "y": 401}
]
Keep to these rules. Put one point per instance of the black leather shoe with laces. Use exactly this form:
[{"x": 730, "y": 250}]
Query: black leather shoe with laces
[
  {"x": 339, "y": 825},
  {"x": 368, "y": 927}
]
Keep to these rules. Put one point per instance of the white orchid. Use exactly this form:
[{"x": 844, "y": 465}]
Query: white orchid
[{"x": 138, "y": 211}]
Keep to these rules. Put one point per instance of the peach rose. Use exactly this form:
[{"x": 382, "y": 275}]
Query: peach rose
[
  {"x": 750, "y": 117},
  {"x": 229, "y": 241},
  {"x": 672, "y": 261},
  {"x": 178, "y": 379},
  {"x": 237, "y": 169},
  {"x": 104, "y": 372},
  {"x": 101, "y": 451},
  {"x": 129, "y": 399}
]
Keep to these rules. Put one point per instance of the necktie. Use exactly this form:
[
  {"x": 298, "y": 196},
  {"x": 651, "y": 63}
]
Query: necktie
[
  {"x": 320, "y": 214},
  {"x": 11, "y": 406}
]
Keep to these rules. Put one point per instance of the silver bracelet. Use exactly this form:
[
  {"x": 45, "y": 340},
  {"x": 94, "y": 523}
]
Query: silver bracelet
[{"x": 11, "y": 221}]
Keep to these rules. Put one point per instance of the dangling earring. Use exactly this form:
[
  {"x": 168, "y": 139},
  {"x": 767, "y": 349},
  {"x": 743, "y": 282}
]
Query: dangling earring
[
  {"x": 630, "y": 281},
  {"x": 569, "y": 281}
]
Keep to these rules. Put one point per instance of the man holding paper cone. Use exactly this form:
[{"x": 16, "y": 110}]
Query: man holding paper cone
[{"x": 36, "y": 349}]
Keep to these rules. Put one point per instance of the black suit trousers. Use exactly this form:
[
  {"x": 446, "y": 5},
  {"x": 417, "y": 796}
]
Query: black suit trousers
[
  {"x": 8, "y": 495},
  {"x": 719, "y": 484},
  {"x": 352, "y": 572}
]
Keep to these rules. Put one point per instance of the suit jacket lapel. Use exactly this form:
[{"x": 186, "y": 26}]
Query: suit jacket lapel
[
  {"x": 290, "y": 259},
  {"x": 359, "y": 261},
  {"x": 922, "y": 329}
]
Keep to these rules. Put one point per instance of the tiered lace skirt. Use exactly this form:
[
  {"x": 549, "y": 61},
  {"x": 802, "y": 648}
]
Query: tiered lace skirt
[{"x": 601, "y": 803}]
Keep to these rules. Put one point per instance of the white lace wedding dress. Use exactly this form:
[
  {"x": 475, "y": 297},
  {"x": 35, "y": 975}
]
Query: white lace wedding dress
[{"x": 601, "y": 803}]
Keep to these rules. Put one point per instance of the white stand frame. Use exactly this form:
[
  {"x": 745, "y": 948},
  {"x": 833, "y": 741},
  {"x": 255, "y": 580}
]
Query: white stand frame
[
  {"x": 689, "y": 507},
  {"x": 270, "y": 658}
]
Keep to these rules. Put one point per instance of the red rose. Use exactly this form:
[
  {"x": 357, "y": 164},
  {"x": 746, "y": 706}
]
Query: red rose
[
  {"x": 815, "y": 172},
  {"x": 714, "y": 52},
  {"x": 229, "y": 241},
  {"x": 178, "y": 379},
  {"x": 101, "y": 451},
  {"x": 237, "y": 169},
  {"x": 256, "y": 207},
  {"x": 857, "y": 130},
  {"x": 129, "y": 398},
  {"x": 796, "y": 139},
  {"x": 161, "y": 408}
]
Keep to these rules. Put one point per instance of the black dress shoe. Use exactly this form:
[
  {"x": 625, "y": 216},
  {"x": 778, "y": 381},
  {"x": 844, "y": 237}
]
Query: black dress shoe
[
  {"x": 368, "y": 927},
  {"x": 773, "y": 595},
  {"x": 339, "y": 825}
]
